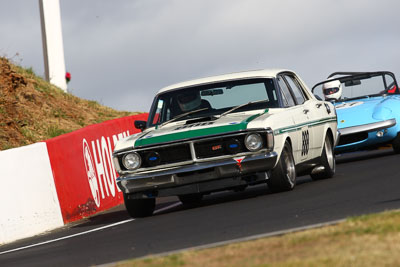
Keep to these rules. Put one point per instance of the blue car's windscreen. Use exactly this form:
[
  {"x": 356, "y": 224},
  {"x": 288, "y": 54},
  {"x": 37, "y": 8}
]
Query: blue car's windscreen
[{"x": 358, "y": 88}]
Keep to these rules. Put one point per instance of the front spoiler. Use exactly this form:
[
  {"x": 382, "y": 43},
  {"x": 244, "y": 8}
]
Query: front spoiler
[
  {"x": 185, "y": 179},
  {"x": 364, "y": 136}
]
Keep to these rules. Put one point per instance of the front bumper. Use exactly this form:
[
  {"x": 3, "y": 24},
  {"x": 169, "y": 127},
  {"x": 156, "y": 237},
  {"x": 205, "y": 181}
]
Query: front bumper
[
  {"x": 368, "y": 127},
  {"x": 364, "y": 136},
  {"x": 186, "y": 179}
]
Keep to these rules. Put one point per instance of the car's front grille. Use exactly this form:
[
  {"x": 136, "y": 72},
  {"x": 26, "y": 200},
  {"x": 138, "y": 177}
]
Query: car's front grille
[
  {"x": 352, "y": 138},
  {"x": 219, "y": 147},
  {"x": 165, "y": 155},
  {"x": 191, "y": 151}
]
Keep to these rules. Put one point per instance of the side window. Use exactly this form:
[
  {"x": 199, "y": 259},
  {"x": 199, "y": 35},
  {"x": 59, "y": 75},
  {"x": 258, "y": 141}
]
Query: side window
[
  {"x": 163, "y": 111},
  {"x": 157, "y": 115},
  {"x": 297, "y": 91},
  {"x": 287, "y": 97}
]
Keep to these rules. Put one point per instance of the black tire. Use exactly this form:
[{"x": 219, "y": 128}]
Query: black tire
[
  {"x": 139, "y": 207},
  {"x": 283, "y": 176},
  {"x": 328, "y": 161},
  {"x": 396, "y": 144},
  {"x": 191, "y": 199}
]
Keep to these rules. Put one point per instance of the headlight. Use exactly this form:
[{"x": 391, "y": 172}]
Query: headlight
[
  {"x": 132, "y": 161},
  {"x": 253, "y": 142}
]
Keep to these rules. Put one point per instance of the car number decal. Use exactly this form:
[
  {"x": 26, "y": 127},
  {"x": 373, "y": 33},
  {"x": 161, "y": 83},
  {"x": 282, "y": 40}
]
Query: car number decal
[{"x": 305, "y": 136}]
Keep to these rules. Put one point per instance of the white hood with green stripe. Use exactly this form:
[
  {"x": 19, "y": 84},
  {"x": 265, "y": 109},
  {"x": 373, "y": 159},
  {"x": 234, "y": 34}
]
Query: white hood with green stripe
[{"x": 181, "y": 130}]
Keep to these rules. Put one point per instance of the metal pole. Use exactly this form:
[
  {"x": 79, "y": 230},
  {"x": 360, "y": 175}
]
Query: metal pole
[{"x": 53, "y": 49}]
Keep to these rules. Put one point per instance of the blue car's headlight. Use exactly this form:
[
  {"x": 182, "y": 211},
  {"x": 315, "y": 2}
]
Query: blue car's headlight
[{"x": 382, "y": 113}]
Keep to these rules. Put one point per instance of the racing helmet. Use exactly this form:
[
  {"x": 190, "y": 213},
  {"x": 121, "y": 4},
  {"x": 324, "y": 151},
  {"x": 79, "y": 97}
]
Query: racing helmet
[
  {"x": 189, "y": 100},
  {"x": 332, "y": 90}
]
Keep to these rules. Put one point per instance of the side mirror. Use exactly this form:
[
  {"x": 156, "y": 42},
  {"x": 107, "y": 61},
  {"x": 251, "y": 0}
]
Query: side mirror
[{"x": 141, "y": 125}]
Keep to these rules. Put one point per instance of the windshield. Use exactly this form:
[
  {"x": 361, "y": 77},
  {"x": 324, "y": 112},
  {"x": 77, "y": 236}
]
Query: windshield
[
  {"x": 213, "y": 99},
  {"x": 345, "y": 88}
]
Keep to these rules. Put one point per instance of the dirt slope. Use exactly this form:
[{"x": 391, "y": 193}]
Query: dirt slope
[{"x": 32, "y": 110}]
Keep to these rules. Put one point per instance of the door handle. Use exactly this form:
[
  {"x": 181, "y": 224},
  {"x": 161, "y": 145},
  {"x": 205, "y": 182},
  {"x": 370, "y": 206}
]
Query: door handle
[
  {"x": 318, "y": 105},
  {"x": 305, "y": 111}
]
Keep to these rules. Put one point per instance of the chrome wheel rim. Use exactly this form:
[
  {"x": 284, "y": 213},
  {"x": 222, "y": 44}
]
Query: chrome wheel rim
[
  {"x": 290, "y": 170},
  {"x": 329, "y": 153}
]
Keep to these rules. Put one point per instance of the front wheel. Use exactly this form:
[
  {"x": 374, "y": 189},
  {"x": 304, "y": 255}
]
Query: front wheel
[
  {"x": 139, "y": 207},
  {"x": 396, "y": 144},
  {"x": 283, "y": 176},
  {"x": 328, "y": 161}
]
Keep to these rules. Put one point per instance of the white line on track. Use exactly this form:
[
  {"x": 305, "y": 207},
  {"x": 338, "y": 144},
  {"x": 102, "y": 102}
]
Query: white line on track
[
  {"x": 66, "y": 237},
  {"x": 85, "y": 232}
]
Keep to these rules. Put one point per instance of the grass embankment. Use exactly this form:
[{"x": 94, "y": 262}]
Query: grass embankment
[
  {"x": 33, "y": 110},
  {"x": 371, "y": 240}
]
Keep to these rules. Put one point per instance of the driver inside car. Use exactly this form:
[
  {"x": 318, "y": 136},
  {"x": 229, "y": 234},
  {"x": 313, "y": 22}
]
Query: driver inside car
[
  {"x": 332, "y": 90},
  {"x": 189, "y": 101}
]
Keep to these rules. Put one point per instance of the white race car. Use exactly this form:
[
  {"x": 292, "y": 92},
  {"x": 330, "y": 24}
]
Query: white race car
[{"x": 225, "y": 133}]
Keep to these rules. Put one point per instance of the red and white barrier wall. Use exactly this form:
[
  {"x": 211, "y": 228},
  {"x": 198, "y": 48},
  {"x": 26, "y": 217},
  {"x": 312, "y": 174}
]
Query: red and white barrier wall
[
  {"x": 47, "y": 184},
  {"x": 28, "y": 198}
]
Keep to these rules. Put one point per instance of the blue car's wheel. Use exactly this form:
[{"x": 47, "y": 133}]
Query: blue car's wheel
[
  {"x": 396, "y": 144},
  {"x": 327, "y": 161}
]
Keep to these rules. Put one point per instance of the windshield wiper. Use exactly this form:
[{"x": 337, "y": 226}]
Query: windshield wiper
[
  {"x": 182, "y": 115},
  {"x": 240, "y": 106}
]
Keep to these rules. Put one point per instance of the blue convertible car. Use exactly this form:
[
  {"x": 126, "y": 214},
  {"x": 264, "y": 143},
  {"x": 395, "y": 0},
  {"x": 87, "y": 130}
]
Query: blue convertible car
[{"x": 367, "y": 106}]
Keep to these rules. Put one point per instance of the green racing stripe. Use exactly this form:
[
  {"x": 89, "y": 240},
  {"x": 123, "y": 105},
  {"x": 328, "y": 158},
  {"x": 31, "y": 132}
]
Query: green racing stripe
[{"x": 301, "y": 125}]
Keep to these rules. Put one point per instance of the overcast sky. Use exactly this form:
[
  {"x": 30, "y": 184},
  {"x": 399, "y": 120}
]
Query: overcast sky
[{"x": 120, "y": 53}]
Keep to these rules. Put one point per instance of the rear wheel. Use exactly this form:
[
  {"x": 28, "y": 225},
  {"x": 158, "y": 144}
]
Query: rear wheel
[
  {"x": 190, "y": 199},
  {"x": 139, "y": 207},
  {"x": 283, "y": 176},
  {"x": 396, "y": 144},
  {"x": 328, "y": 161}
]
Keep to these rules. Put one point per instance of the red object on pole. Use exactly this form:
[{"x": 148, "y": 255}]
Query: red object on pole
[{"x": 67, "y": 76}]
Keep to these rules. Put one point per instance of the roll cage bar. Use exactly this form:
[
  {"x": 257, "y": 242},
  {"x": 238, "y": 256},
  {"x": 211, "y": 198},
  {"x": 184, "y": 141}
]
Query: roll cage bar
[{"x": 349, "y": 76}]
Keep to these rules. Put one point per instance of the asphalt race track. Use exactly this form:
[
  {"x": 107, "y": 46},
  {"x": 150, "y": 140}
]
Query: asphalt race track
[{"x": 365, "y": 182}]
